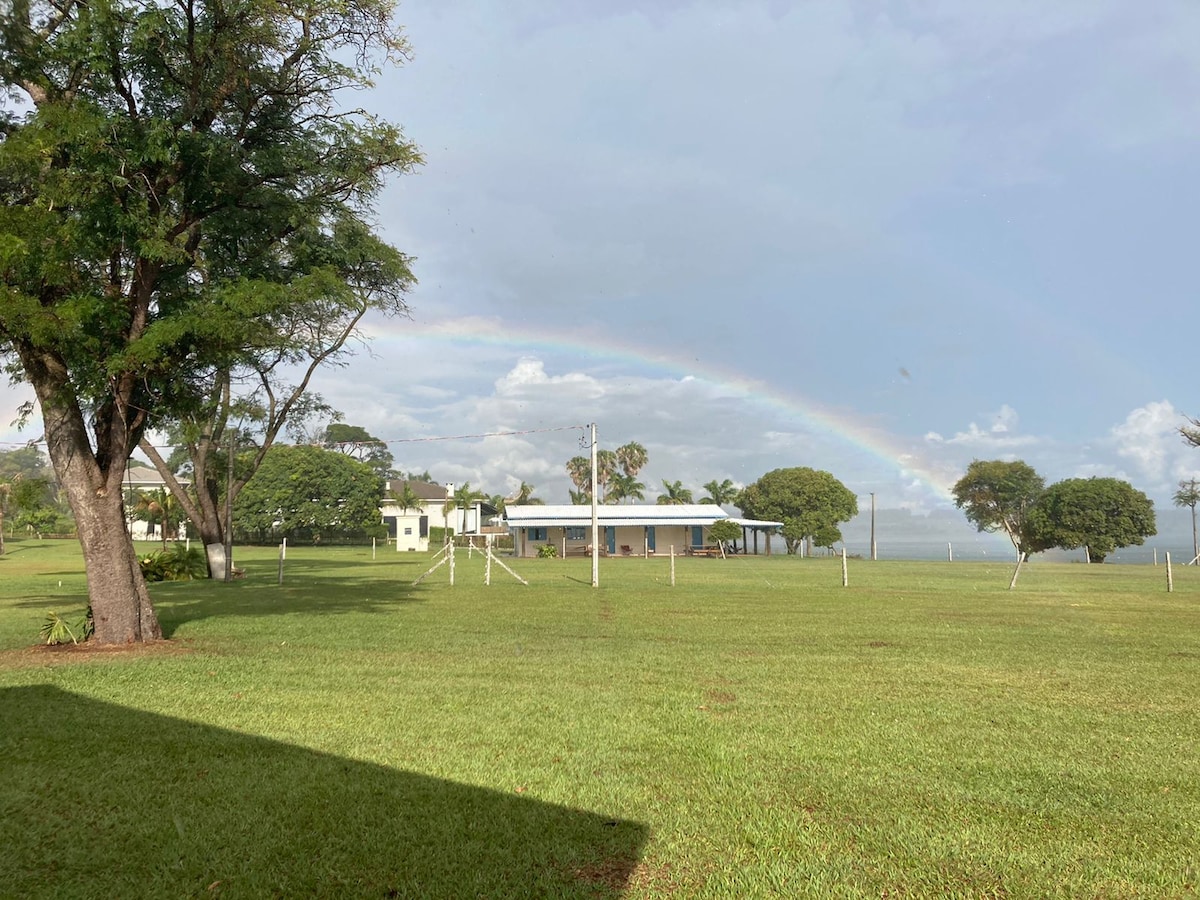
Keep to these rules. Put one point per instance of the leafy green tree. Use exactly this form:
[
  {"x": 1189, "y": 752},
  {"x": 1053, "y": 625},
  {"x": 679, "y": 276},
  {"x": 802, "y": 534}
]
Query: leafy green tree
[
  {"x": 1189, "y": 495},
  {"x": 1101, "y": 514},
  {"x": 725, "y": 532},
  {"x": 998, "y": 496},
  {"x": 580, "y": 498},
  {"x": 186, "y": 212},
  {"x": 309, "y": 490},
  {"x": 720, "y": 493},
  {"x": 674, "y": 494},
  {"x": 808, "y": 502}
]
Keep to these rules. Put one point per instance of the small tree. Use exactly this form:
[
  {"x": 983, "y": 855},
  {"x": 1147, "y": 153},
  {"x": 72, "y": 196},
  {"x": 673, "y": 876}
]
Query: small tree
[
  {"x": 1189, "y": 495},
  {"x": 998, "y": 495},
  {"x": 725, "y": 532}
]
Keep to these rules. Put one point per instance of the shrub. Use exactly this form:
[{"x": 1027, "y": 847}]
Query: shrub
[
  {"x": 547, "y": 551},
  {"x": 175, "y": 564},
  {"x": 56, "y": 630}
]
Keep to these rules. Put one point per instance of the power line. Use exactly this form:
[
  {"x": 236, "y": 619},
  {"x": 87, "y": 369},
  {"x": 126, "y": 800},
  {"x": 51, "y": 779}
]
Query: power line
[{"x": 375, "y": 443}]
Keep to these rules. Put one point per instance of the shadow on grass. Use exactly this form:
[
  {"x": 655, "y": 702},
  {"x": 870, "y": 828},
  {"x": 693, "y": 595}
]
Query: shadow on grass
[
  {"x": 100, "y": 800},
  {"x": 177, "y": 603}
]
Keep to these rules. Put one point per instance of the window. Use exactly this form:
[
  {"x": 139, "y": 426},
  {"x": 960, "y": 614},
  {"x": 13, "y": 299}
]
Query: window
[
  {"x": 408, "y": 530},
  {"x": 537, "y": 534},
  {"x": 577, "y": 534}
]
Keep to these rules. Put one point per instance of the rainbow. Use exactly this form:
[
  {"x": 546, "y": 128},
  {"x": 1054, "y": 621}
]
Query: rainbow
[{"x": 811, "y": 416}]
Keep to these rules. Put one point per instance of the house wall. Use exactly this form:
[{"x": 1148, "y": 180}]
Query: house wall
[
  {"x": 631, "y": 536},
  {"x": 408, "y": 533}
]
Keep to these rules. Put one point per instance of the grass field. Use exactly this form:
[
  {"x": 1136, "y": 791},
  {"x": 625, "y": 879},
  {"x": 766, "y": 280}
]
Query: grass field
[{"x": 756, "y": 730}]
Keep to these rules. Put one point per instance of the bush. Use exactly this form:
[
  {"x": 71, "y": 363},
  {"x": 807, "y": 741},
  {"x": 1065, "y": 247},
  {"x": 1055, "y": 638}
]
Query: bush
[
  {"x": 176, "y": 564},
  {"x": 547, "y": 551},
  {"x": 55, "y": 629}
]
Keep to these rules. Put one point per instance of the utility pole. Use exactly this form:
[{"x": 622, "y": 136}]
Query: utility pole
[
  {"x": 874, "y": 555},
  {"x": 595, "y": 515}
]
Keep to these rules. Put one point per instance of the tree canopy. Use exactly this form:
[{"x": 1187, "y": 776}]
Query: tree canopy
[
  {"x": 186, "y": 214},
  {"x": 809, "y": 502},
  {"x": 1101, "y": 514},
  {"x": 674, "y": 494},
  {"x": 308, "y": 490},
  {"x": 997, "y": 495},
  {"x": 613, "y": 467},
  {"x": 356, "y": 441}
]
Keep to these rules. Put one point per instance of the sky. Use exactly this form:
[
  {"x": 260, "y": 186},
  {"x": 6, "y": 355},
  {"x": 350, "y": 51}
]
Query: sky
[{"x": 877, "y": 238}]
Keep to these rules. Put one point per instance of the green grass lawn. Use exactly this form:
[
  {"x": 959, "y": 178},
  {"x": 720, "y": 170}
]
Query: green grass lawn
[{"x": 756, "y": 730}]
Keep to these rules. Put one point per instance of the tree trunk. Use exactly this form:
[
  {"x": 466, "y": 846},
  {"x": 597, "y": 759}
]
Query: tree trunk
[
  {"x": 201, "y": 506},
  {"x": 92, "y": 480},
  {"x": 121, "y": 607}
]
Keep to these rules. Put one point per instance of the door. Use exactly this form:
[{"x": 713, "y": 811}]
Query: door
[
  {"x": 610, "y": 535},
  {"x": 697, "y": 535},
  {"x": 650, "y": 538}
]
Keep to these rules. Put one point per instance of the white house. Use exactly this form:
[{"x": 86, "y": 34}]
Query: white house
[
  {"x": 410, "y": 527},
  {"x": 635, "y": 530},
  {"x": 138, "y": 480}
]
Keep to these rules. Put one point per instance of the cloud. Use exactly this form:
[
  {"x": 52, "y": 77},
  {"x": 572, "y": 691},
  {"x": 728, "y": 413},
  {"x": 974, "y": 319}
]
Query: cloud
[
  {"x": 1150, "y": 442},
  {"x": 998, "y": 437}
]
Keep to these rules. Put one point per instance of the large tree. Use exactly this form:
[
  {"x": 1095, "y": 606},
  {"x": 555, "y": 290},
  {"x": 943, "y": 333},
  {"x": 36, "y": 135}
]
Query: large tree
[
  {"x": 356, "y": 441},
  {"x": 1101, "y": 514},
  {"x": 809, "y": 502},
  {"x": 997, "y": 495},
  {"x": 309, "y": 490},
  {"x": 184, "y": 194}
]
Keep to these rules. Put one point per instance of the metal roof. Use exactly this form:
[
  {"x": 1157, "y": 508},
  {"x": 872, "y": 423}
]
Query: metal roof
[{"x": 565, "y": 516}]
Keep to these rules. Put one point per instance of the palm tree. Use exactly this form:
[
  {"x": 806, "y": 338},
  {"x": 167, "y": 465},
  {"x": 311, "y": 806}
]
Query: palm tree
[
  {"x": 606, "y": 467},
  {"x": 632, "y": 458},
  {"x": 158, "y": 508},
  {"x": 580, "y": 498},
  {"x": 579, "y": 470},
  {"x": 721, "y": 493},
  {"x": 524, "y": 496},
  {"x": 624, "y": 487},
  {"x": 675, "y": 494},
  {"x": 464, "y": 498},
  {"x": 407, "y": 498}
]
